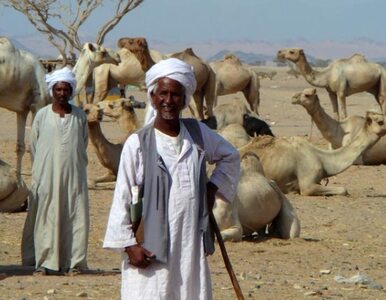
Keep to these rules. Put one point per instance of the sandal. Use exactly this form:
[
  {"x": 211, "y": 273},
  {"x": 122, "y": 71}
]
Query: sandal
[
  {"x": 74, "y": 272},
  {"x": 41, "y": 271}
]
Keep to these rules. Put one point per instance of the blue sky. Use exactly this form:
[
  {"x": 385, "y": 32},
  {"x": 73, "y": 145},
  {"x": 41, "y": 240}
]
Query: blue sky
[
  {"x": 229, "y": 20},
  {"x": 209, "y": 26}
]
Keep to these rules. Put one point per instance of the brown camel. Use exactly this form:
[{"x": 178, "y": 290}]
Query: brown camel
[
  {"x": 342, "y": 78},
  {"x": 206, "y": 81},
  {"x": 22, "y": 88},
  {"x": 123, "y": 112},
  {"x": 108, "y": 153}
]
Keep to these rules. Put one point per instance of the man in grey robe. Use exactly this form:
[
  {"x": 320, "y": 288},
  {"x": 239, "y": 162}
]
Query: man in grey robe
[{"x": 55, "y": 236}]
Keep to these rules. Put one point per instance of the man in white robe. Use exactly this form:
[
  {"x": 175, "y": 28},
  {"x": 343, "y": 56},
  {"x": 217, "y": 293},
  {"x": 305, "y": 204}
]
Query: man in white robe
[
  {"x": 185, "y": 275},
  {"x": 55, "y": 236}
]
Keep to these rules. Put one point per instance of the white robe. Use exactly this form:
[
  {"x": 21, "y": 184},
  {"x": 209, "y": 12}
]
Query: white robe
[
  {"x": 186, "y": 275},
  {"x": 56, "y": 230}
]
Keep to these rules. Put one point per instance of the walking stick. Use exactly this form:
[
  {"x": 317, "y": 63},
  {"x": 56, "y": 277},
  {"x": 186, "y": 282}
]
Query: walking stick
[{"x": 225, "y": 257}]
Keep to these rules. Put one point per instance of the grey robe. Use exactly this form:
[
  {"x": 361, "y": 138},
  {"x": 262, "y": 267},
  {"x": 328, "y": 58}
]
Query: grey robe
[{"x": 56, "y": 230}]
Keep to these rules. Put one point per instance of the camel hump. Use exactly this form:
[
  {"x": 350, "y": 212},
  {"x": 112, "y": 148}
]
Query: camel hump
[
  {"x": 188, "y": 52},
  {"x": 230, "y": 57},
  {"x": 357, "y": 57}
]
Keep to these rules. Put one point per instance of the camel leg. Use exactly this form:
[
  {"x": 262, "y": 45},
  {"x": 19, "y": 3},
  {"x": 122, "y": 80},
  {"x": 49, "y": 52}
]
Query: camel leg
[
  {"x": 251, "y": 93},
  {"x": 320, "y": 190},
  {"x": 20, "y": 146},
  {"x": 380, "y": 96},
  {"x": 287, "y": 223},
  {"x": 102, "y": 84},
  {"x": 343, "y": 107},
  {"x": 199, "y": 101},
  {"x": 226, "y": 215},
  {"x": 108, "y": 177},
  {"x": 334, "y": 103},
  {"x": 210, "y": 93}
]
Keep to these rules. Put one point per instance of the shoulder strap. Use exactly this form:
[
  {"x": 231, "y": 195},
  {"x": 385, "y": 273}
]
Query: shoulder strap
[{"x": 194, "y": 130}]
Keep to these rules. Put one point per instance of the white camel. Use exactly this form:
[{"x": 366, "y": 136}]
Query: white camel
[
  {"x": 259, "y": 203},
  {"x": 13, "y": 192},
  {"x": 342, "y": 78},
  {"x": 297, "y": 165},
  {"x": 232, "y": 76},
  {"x": 91, "y": 56},
  {"x": 22, "y": 88},
  {"x": 339, "y": 133}
]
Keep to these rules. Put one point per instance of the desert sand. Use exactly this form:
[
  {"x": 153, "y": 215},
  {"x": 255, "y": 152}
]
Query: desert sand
[{"x": 342, "y": 237}]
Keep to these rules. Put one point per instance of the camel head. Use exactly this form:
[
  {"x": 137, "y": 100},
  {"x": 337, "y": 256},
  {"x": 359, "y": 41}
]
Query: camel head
[
  {"x": 93, "y": 113},
  {"x": 376, "y": 123},
  {"x": 99, "y": 54},
  {"x": 291, "y": 54},
  {"x": 307, "y": 98},
  {"x": 250, "y": 163},
  {"x": 6, "y": 45},
  {"x": 115, "y": 108},
  {"x": 139, "y": 47}
]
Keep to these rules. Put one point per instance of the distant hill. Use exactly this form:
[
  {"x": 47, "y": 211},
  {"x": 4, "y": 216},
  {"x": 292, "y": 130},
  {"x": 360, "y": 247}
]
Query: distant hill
[
  {"x": 245, "y": 57},
  {"x": 252, "y": 58}
]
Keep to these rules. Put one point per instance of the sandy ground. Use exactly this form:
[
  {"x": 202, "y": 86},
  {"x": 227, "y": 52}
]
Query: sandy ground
[{"x": 341, "y": 235}]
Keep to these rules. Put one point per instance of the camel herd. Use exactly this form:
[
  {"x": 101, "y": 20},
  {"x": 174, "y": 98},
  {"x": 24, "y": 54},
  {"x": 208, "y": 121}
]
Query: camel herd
[{"x": 271, "y": 166}]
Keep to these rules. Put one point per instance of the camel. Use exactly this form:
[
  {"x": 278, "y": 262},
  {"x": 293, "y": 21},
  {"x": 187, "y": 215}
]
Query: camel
[
  {"x": 135, "y": 61},
  {"x": 232, "y": 76},
  {"x": 206, "y": 81},
  {"x": 22, "y": 89},
  {"x": 259, "y": 203},
  {"x": 342, "y": 78},
  {"x": 339, "y": 133},
  {"x": 235, "y": 134},
  {"x": 108, "y": 153},
  {"x": 91, "y": 56},
  {"x": 123, "y": 112},
  {"x": 13, "y": 193},
  {"x": 297, "y": 165}
]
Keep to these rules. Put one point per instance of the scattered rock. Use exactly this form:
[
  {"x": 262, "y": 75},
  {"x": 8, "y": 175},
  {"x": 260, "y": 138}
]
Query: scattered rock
[
  {"x": 82, "y": 294},
  {"x": 325, "y": 271},
  {"x": 51, "y": 292}
]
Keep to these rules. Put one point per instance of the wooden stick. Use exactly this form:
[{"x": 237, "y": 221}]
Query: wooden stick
[{"x": 227, "y": 262}]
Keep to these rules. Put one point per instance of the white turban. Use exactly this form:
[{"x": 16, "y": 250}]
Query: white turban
[
  {"x": 172, "y": 68},
  {"x": 61, "y": 75}
]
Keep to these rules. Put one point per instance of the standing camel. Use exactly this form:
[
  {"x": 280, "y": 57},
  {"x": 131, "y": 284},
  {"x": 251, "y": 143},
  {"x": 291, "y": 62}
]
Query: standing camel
[
  {"x": 232, "y": 76},
  {"x": 206, "y": 81},
  {"x": 131, "y": 70},
  {"x": 22, "y": 88},
  {"x": 91, "y": 56},
  {"x": 342, "y": 78}
]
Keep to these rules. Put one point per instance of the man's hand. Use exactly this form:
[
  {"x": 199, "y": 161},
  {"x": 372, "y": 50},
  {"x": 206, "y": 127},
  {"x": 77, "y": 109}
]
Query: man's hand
[
  {"x": 139, "y": 256},
  {"x": 211, "y": 190}
]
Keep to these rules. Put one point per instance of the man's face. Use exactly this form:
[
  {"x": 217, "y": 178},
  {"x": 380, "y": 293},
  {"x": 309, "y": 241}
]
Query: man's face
[
  {"x": 168, "y": 99},
  {"x": 62, "y": 92}
]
